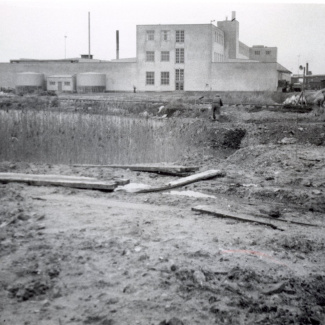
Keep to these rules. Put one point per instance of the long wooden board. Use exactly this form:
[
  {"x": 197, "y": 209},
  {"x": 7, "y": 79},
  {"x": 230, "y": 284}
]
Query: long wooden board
[
  {"x": 58, "y": 180},
  {"x": 153, "y": 168},
  {"x": 181, "y": 182},
  {"x": 227, "y": 214}
]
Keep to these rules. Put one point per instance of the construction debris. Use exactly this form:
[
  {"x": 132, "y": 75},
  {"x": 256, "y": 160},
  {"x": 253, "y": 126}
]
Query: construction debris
[
  {"x": 226, "y": 214},
  {"x": 297, "y": 103},
  {"x": 152, "y": 168},
  {"x": 295, "y": 100},
  {"x": 133, "y": 188},
  {"x": 66, "y": 181},
  {"x": 250, "y": 212}
]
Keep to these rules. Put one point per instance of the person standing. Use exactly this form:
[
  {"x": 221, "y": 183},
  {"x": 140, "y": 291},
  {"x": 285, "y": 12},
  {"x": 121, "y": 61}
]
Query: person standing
[{"x": 216, "y": 106}]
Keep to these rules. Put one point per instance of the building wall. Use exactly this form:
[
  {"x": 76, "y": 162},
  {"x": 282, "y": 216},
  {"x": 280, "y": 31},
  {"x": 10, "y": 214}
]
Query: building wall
[
  {"x": 217, "y": 42},
  {"x": 197, "y": 55},
  {"x": 120, "y": 76},
  {"x": 266, "y": 54},
  {"x": 284, "y": 76},
  {"x": 231, "y": 32},
  {"x": 243, "y": 51},
  {"x": 253, "y": 76}
]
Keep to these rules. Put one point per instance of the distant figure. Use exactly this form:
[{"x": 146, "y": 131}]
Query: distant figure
[
  {"x": 134, "y": 89},
  {"x": 321, "y": 103},
  {"x": 216, "y": 105}
]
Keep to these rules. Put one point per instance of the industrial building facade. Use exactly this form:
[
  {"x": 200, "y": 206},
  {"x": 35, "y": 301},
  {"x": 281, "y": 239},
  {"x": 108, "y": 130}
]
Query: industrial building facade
[{"x": 174, "y": 58}]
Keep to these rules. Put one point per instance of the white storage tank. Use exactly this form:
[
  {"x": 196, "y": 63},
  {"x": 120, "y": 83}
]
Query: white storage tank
[
  {"x": 91, "y": 82},
  {"x": 29, "y": 81}
]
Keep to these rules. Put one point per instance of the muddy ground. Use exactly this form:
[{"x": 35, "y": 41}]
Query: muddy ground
[{"x": 72, "y": 256}]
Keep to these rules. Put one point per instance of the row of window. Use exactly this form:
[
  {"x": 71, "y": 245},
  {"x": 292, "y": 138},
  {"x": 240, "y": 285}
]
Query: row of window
[
  {"x": 165, "y": 35},
  {"x": 66, "y": 83},
  {"x": 164, "y": 77},
  {"x": 218, "y": 37},
  {"x": 218, "y": 57},
  {"x": 165, "y": 56},
  {"x": 259, "y": 52}
]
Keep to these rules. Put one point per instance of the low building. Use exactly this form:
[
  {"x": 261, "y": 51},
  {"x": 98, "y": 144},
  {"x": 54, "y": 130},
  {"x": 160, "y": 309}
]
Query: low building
[
  {"x": 313, "y": 82},
  {"x": 61, "y": 83}
]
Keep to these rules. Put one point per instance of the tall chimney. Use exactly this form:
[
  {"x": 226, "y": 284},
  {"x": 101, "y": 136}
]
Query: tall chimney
[
  {"x": 307, "y": 69},
  {"x": 89, "y": 35},
  {"x": 117, "y": 45},
  {"x": 233, "y": 15}
]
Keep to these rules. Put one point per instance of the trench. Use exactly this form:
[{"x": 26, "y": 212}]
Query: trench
[{"x": 60, "y": 137}]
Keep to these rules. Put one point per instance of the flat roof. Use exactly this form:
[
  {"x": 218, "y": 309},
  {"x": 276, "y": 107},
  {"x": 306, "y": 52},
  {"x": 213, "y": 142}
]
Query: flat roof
[{"x": 61, "y": 76}]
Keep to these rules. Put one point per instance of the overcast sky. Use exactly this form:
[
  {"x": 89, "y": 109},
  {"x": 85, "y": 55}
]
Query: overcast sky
[{"x": 37, "y": 29}]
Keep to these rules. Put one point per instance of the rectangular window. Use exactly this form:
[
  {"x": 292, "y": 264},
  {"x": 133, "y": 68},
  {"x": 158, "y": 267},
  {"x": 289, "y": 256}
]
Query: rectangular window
[
  {"x": 150, "y": 35},
  {"x": 165, "y": 35},
  {"x": 164, "y": 78},
  {"x": 150, "y": 78},
  {"x": 180, "y": 36},
  {"x": 164, "y": 56},
  {"x": 268, "y": 52},
  {"x": 52, "y": 83},
  {"x": 179, "y": 79},
  {"x": 67, "y": 83},
  {"x": 150, "y": 56},
  {"x": 179, "y": 55},
  {"x": 257, "y": 52}
]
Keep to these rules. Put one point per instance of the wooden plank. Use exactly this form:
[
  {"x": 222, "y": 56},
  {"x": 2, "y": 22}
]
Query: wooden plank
[
  {"x": 181, "y": 182},
  {"x": 58, "y": 180},
  {"x": 161, "y": 169},
  {"x": 49, "y": 177},
  {"x": 226, "y": 214}
]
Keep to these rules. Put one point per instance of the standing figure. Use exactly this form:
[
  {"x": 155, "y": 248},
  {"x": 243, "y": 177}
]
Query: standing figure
[{"x": 216, "y": 105}]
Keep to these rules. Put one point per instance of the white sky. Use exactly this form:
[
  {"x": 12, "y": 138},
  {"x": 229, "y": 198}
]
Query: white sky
[{"x": 37, "y": 28}]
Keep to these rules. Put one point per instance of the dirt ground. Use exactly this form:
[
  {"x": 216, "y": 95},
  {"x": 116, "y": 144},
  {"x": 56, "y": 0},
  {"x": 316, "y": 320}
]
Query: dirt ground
[{"x": 72, "y": 256}]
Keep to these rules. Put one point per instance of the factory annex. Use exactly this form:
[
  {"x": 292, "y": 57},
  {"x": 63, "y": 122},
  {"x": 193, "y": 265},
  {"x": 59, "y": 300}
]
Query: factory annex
[{"x": 194, "y": 57}]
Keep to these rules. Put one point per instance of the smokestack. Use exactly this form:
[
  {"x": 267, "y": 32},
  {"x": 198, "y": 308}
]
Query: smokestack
[
  {"x": 233, "y": 15},
  {"x": 307, "y": 69},
  {"x": 89, "y": 35},
  {"x": 117, "y": 45}
]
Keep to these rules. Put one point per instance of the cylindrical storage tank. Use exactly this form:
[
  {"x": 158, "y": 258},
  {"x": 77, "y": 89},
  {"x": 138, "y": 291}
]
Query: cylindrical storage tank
[
  {"x": 91, "y": 82},
  {"x": 29, "y": 81}
]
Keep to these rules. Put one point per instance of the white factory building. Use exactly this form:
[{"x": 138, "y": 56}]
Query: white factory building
[{"x": 191, "y": 57}]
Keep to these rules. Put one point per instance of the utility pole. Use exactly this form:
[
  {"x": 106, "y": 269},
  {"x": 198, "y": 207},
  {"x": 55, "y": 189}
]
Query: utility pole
[
  {"x": 65, "y": 46},
  {"x": 303, "y": 79},
  {"x": 89, "y": 35}
]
